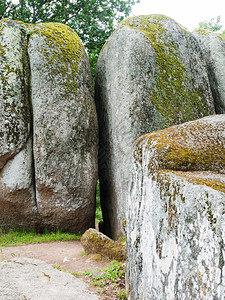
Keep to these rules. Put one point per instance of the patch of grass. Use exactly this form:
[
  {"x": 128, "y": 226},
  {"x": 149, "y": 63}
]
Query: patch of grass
[
  {"x": 84, "y": 253},
  {"x": 122, "y": 295},
  {"x": 56, "y": 266},
  {"x": 97, "y": 283},
  {"x": 113, "y": 275},
  {"x": 18, "y": 237}
]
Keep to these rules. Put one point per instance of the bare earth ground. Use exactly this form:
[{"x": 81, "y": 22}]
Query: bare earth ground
[{"x": 68, "y": 255}]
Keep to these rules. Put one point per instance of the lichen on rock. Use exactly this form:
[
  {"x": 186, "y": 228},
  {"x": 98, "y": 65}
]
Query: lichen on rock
[
  {"x": 47, "y": 99},
  {"x": 14, "y": 103},
  {"x": 172, "y": 92},
  {"x": 63, "y": 53},
  {"x": 212, "y": 46},
  {"x": 192, "y": 146},
  {"x": 176, "y": 216},
  {"x": 96, "y": 242},
  {"x": 150, "y": 75}
]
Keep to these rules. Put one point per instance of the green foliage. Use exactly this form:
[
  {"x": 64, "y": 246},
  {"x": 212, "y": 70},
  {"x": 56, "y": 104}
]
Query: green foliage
[
  {"x": 16, "y": 237},
  {"x": 93, "y": 20},
  {"x": 56, "y": 266},
  {"x": 212, "y": 25},
  {"x": 122, "y": 295},
  {"x": 115, "y": 273},
  {"x": 98, "y": 213}
]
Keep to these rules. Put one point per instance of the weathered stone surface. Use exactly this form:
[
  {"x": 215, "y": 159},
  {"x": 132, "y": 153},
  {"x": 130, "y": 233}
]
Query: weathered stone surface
[
  {"x": 65, "y": 128},
  {"x": 149, "y": 76},
  {"x": 50, "y": 181},
  {"x": 25, "y": 278},
  {"x": 14, "y": 104},
  {"x": 213, "y": 48},
  {"x": 94, "y": 241},
  {"x": 175, "y": 223},
  {"x": 17, "y": 202},
  {"x": 17, "y": 195}
]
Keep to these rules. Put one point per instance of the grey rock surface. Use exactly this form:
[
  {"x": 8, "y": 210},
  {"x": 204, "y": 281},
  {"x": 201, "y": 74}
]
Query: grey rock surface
[
  {"x": 213, "y": 48},
  {"x": 48, "y": 124},
  {"x": 65, "y": 128},
  {"x": 17, "y": 195},
  {"x": 25, "y": 278},
  {"x": 14, "y": 103},
  {"x": 17, "y": 203},
  {"x": 176, "y": 221},
  {"x": 149, "y": 76}
]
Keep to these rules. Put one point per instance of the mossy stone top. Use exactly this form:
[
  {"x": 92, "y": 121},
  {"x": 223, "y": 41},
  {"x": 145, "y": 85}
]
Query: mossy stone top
[{"x": 193, "y": 146}]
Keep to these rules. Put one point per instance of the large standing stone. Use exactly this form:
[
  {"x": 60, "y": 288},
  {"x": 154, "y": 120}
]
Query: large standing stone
[
  {"x": 213, "y": 48},
  {"x": 17, "y": 201},
  {"x": 149, "y": 76},
  {"x": 176, "y": 221},
  {"x": 51, "y": 178},
  {"x": 65, "y": 128}
]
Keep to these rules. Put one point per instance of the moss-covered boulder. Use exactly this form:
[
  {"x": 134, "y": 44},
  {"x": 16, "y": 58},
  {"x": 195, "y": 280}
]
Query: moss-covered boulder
[
  {"x": 65, "y": 128},
  {"x": 96, "y": 242},
  {"x": 150, "y": 75},
  {"x": 212, "y": 45},
  {"x": 175, "y": 222},
  {"x": 47, "y": 102}
]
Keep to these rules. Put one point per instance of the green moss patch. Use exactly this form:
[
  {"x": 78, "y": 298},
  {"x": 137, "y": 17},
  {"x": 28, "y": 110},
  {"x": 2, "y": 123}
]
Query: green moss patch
[
  {"x": 63, "y": 53},
  {"x": 202, "y": 31},
  {"x": 96, "y": 242},
  {"x": 196, "y": 146},
  {"x": 170, "y": 94}
]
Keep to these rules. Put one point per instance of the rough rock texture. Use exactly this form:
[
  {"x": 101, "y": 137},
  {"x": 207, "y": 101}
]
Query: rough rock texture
[
  {"x": 213, "y": 48},
  {"x": 17, "y": 203},
  {"x": 17, "y": 194},
  {"x": 48, "y": 150},
  {"x": 150, "y": 75},
  {"x": 176, "y": 220},
  {"x": 94, "y": 241},
  {"x": 14, "y": 104},
  {"x": 65, "y": 128},
  {"x": 25, "y": 278}
]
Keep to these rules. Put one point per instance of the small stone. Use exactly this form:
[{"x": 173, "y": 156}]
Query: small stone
[{"x": 96, "y": 242}]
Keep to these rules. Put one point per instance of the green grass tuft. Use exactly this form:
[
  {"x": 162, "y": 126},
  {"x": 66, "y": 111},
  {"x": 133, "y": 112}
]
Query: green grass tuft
[{"x": 17, "y": 237}]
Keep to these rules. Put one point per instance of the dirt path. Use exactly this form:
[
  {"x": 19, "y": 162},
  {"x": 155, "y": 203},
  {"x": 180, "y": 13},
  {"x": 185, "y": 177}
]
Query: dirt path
[{"x": 68, "y": 255}]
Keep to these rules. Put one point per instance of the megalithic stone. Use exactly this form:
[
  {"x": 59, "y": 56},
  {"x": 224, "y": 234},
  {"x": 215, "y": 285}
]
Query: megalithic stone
[
  {"x": 175, "y": 220},
  {"x": 49, "y": 128},
  {"x": 17, "y": 197},
  {"x": 150, "y": 75},
  {"x": 64, "y": 127}
]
